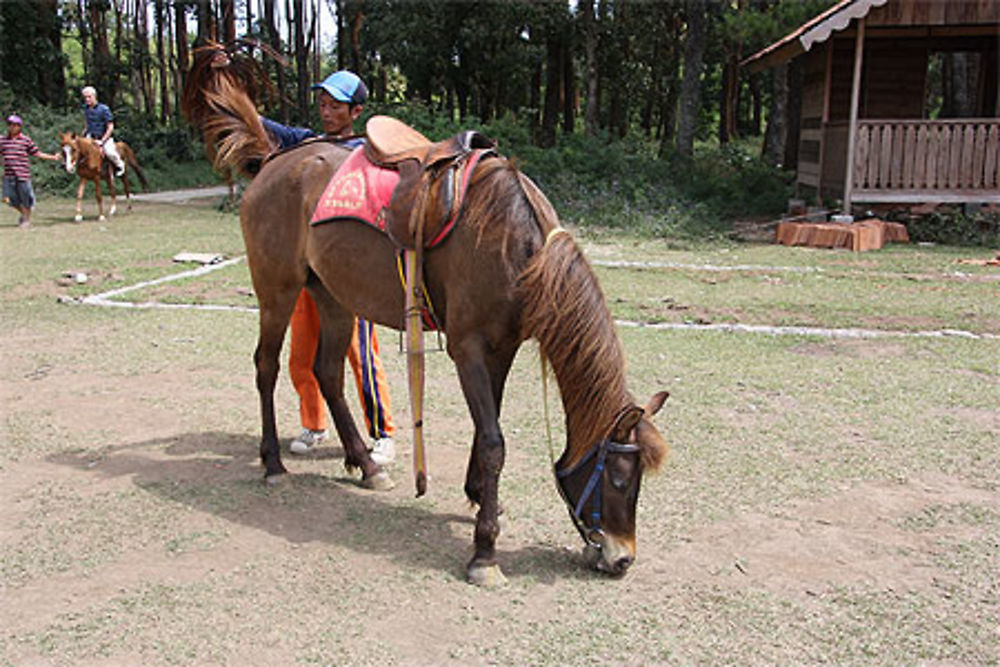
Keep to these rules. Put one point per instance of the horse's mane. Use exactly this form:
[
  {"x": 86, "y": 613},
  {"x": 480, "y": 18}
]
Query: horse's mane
[
  {"x": 563, "y": 306},
  {"x": 219, "y": 98}
]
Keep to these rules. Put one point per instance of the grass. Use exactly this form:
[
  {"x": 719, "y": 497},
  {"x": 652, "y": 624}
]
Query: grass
[{"x": 854, "y": 481}]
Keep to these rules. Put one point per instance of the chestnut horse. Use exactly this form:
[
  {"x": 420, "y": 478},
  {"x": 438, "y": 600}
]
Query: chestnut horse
[
  {"x": 83, "y": 157},
  {"x": 506, "y": 273}
]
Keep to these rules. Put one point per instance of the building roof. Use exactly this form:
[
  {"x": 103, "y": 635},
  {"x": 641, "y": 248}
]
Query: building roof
[{"x": 815, "y": 31}]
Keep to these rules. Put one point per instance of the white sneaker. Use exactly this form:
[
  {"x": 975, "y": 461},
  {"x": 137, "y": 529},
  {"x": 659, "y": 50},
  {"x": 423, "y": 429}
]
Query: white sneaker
[
  {"x": 384, "y": 451},
  {"x": 305, "y": 441}
]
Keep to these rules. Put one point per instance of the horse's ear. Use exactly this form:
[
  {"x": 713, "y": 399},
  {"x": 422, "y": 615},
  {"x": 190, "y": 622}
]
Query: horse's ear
[
  {"x": 627, "y": 421},
  {"x": 72, "y": 135},
  {"x": 656, "y": 402}
]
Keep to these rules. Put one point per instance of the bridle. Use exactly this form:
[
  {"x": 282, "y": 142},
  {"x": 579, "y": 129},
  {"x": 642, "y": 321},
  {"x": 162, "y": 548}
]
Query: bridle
[{"x": 592, "y": 491}]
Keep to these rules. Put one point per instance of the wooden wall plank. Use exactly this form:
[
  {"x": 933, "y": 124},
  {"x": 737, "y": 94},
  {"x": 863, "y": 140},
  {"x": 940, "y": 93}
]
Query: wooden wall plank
[
  {"x": 930, "y": 171},
  {"x": 967, "y": 159},
  {"x": 885, "y": 156},
  {"x": 909, "y": 151},
  {"x": 898, "y": 153},
  {"x": 991, "y": 170}
]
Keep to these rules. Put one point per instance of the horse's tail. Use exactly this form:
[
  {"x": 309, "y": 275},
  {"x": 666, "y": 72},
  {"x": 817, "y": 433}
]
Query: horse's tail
[
  {"x": 129, "y": 156},
  {"x": 219, "y": 99}
]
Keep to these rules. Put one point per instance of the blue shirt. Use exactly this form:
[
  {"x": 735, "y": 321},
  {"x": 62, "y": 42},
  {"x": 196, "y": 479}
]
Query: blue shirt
[
  {"x": 98, "y": 117},
  {"x": 288, "y": 136}
]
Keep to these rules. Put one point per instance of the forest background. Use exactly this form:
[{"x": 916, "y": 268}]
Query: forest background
[{"x": 629, "y": 113}]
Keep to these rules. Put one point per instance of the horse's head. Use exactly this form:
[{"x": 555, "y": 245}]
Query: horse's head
[
  {"x": 602, "y": 488},
  {"x": 71, "y": 153}
]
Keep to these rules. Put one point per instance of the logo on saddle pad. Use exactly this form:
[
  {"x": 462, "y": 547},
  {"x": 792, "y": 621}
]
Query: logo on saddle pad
[{"x": 359, "y": 190}]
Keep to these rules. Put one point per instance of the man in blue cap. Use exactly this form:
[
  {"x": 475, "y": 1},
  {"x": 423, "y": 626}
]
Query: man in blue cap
[{"x": 340, "y": 98}]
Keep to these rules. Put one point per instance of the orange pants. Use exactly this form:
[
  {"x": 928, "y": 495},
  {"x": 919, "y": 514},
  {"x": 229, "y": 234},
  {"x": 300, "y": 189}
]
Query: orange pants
[{"x": 369, "y": 375}]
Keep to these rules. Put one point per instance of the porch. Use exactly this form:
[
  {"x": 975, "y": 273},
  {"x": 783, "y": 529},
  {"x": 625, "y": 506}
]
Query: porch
[{"x": 918, "y": 161}]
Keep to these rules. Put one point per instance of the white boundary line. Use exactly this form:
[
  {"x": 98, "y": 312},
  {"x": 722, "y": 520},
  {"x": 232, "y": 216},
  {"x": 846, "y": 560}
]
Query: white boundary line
[
  {"x": 628, "y": 264},
  {"x": 104, "y": 299}
]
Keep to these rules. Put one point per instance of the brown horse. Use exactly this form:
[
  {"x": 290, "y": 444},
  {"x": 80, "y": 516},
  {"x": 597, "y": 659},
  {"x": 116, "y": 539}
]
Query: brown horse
[
  {"x": 507, "y": 272},
  {"x": 84, "y": 157}
]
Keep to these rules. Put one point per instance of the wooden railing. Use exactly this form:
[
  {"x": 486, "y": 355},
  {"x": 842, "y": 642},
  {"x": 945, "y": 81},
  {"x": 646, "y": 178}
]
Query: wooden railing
[{"x": 928, "y": 157}]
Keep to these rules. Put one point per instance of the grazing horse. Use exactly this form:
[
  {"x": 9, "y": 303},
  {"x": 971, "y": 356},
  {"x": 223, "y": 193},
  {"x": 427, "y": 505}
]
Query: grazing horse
[
  {"x": 83, "y": 156},
  {"x": 507, "y": 272}
]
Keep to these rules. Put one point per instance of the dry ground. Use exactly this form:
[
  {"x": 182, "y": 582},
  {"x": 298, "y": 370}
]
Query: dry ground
[{"x": 825, "y": 501}]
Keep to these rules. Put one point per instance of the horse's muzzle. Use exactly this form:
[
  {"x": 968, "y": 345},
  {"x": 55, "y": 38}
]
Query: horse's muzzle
[{"x": 614, "y": 557}]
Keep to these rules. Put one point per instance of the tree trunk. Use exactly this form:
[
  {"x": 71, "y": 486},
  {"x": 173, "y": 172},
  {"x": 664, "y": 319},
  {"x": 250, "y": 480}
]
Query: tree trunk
[
  {"x": 181, "y": 41},
  {"x": 227, "y": 9},
  {"x": 568, "y": 83},
  {"x": 553, "y": 77},
  {"x": 275, "y": 41},
  {"x": 756, "y": 106},
  {"x": 729, "y": 100},
  {"x": 86, "y": 52},
  {"x": 794, "y": 115},
  {"x": 534, "y": 120},
  {"x": 591, "y": 116},
  {"x": 52, "y": 83},
  {"x": 101, "y": 71},
  {"x": 690, "y": 103},
  {"x": 206, "y": 22},
  {"x": 774, "y": 135},
  {"x": 163, "y": 59},
  {"x": 301, "y": 61}
]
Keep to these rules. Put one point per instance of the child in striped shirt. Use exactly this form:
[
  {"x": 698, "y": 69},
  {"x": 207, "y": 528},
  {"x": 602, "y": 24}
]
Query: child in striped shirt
[{"x": 15, "y": 148}]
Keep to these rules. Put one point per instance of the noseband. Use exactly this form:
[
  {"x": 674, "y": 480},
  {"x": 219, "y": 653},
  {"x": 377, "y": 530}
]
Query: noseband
[{"x": 592, "y": 491}]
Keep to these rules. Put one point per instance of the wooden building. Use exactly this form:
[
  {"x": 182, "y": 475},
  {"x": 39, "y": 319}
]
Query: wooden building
[{"x": 865, "y": 135}]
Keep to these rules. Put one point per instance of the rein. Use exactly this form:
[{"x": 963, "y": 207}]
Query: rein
[{"x": 592, "y": 490}]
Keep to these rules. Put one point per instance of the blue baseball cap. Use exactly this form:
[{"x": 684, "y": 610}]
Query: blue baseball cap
[{"x": 344, "y": 86}]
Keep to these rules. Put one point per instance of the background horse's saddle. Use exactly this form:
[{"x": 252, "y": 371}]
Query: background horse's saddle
[{"x": 432, "y": 180}]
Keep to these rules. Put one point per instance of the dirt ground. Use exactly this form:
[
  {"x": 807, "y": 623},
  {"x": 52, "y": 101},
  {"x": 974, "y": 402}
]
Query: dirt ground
[{"x": 137, "y": 530}]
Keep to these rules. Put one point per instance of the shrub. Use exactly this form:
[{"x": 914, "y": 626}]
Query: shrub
[{"x": 955, "y": 228}]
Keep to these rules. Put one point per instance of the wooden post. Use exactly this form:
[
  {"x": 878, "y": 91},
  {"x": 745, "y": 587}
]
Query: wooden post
[
  {"x": 859, "y": 47},
  {"x": 825, "y": 118}
]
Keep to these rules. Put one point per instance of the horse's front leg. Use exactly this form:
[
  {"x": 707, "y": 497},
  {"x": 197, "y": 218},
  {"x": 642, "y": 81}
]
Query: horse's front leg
[
  {"x": 79, "y": 201},
  {"x": 471, "y": 359}
]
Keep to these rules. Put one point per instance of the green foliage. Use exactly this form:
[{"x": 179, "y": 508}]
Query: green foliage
[{"x": 977, "y": 229}]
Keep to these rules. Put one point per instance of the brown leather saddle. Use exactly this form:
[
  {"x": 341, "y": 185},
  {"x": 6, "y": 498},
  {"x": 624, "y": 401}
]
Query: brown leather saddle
[{"x": 430, "y": 187}]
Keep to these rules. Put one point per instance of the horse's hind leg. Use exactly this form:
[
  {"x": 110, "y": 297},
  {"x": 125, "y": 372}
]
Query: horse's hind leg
[
  {"x": 111, "y": 192},
  {"x": 337, "y": 326},
  {"x": 274, "y": 315}
]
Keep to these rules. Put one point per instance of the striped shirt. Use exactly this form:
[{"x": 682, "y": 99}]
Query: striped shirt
[{"x": 15, "y": 153}]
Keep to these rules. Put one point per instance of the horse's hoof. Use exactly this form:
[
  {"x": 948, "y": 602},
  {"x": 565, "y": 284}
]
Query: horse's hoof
[
  {"x": 77, "y": 218},
  {"x": 276, "y": 479},
  {"x": 101, "y": 218},
  {"x": 380, "y": 481},
  {"x": 487, "y": 576}
]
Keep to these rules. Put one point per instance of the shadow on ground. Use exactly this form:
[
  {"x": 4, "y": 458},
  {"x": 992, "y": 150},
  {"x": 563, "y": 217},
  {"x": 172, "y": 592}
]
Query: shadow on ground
[{"x": 219, "y": 474}]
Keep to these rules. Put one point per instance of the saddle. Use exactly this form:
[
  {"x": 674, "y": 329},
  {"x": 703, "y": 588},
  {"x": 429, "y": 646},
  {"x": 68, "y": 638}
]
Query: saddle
[
  {"x": 433, "y": 177},
  {"x": 423, "y": 208}
]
